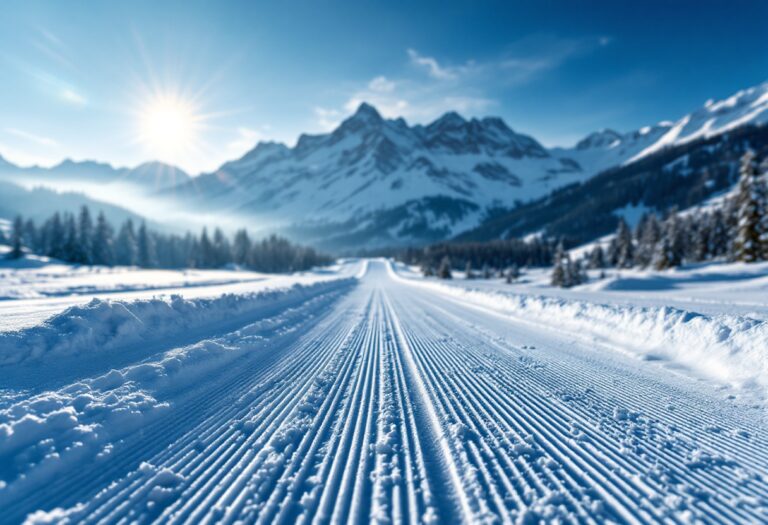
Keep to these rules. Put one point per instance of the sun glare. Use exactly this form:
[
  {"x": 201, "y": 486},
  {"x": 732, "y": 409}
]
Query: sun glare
[{"x": 167, "y": 126}]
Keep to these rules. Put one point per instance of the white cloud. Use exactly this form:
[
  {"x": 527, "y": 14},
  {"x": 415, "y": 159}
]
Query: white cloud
[
  {"x": 327, "y": 119},
  {"x": 381, "y": 84},
  {"x": 434, "y": 69}
]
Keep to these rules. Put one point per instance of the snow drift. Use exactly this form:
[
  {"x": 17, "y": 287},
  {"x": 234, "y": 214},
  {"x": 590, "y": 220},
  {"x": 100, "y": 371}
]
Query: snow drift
[
  {"x": 106, "y": 324},
  {"x": 728, "y": 348}
]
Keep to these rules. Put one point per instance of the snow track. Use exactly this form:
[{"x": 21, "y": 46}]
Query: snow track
[{"x": 392, "y": 403}]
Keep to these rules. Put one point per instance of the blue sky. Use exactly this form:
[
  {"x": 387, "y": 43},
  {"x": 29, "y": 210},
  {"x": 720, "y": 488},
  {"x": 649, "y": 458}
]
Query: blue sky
[{"x": 77, "y": 77}]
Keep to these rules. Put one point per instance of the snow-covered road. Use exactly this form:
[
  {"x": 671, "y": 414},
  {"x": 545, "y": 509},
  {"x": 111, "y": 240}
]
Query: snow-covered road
[{"x": 385, "y": 401}]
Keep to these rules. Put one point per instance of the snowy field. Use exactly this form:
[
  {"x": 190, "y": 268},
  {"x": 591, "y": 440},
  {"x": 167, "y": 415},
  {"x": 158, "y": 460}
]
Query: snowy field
[{"x": 365, "y": 392}]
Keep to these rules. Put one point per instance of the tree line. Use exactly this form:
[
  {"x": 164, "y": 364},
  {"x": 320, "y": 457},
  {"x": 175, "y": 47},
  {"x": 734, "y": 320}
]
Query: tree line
[
  {"x": 78, "y": 239},
  {"x": 481, "y": 259},
  {"x": 735, "y": 231}
]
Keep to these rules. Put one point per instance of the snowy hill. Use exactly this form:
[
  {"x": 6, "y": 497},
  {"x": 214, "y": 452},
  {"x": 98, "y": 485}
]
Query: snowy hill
[{"x": 376, "y": 181}]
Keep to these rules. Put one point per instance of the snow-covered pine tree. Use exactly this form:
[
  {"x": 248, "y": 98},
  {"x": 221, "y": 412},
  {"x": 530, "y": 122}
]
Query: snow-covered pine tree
[
  {"x": 126, "y": 248},
  {"x": 649, "y": 235},
  {"x": 612, "y": 253},
  {"x": 221, "y": 249},
  {"x": 103, "y": 242},
  {"x": 72, "y": 250},
  {"x": 560, "y": 275},
  {"x": 576, "y": 273},
  {"x": 427, "y": 270},
  {"x": 699, "y": 249},
  {"x": 669, "y": 250},
  {"x": 763, "y": 185},
  {"x": 468, "y": 273},
  {"x": 624, "y": 247},
  {"x": 486, "y": 271},
  {"x": 717, "y": 241},
  {"x": 17, "y": 238},
  {"x": 207, "y": 256},
  {"x": 751, "y": 205},
  {"x": 597, "y": 258},
  {"x": 444, "y": 272},
  {"x": 241, "y": 247},
  {"x": 85, "y": 235},
  {"x": 31, "y": 237},
  {"x": 146, "y": 246}
]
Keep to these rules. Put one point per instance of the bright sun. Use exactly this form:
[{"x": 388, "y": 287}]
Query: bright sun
[{"x": 167, "y": 126}]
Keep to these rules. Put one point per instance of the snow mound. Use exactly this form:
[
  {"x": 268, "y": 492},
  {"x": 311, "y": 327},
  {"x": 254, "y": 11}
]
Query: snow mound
[
  {"x": 105, "y": 324},
  {"x": 729, "y": 348}
]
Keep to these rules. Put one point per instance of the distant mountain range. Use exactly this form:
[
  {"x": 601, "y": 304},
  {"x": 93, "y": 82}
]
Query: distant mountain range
[
  {"x": 376, "y": 182},
  {"x": 149, "y": 177}
]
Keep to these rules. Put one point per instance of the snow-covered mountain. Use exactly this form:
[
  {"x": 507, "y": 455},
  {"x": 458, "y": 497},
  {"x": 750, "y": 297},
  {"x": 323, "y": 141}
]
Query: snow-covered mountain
[
  {"x": 149, "y": 177},
  {"x": 436, "y": 179},
  {"x": 607, "y": 148},
  {"x": 375, "y": 181}
]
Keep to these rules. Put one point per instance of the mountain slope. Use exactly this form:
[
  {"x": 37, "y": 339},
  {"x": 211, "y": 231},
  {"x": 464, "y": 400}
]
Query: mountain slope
[
  {"x": 684, "y": 175},
  {"x": 375, "y": 182}
]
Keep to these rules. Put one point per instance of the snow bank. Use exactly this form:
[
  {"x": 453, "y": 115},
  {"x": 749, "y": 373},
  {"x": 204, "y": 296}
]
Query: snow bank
[
  {"x": 729, "y": 348},
  {"x": 106, "y": 324}
]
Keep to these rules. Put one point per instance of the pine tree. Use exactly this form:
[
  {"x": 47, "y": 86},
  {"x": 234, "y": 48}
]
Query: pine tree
[
  {"x": 146, "y": 246},
  {"x": 763, "y": 194},
  {"x": 597, "y": 258},
  {"x": 221, "y": 249},
  {"x": 17, "y": 238},
  {"x": 669, "y": 250},
  {"x": 699, "y": 249},
  {"x": 241, "y": 248},
  {"x": 85, "y": 235},
  {"x": 559, "y": 274},
  {"x": 486, "y": 272},
  {"x": 31, "y": 237},
  {"x": 612, "y": 253},
  {"x": 427, "y": 270},
  {"x": 648, "y": 238},
  {"x": 208, "y": 256},
  {"x": 126, "y": 249},
  {"x": 444, "y": 272},
  {"x": 103, "y": 243},
  {"x": 72, "y": 250},
  {"x": 575, "y": 273},
  {"x": 468, "y": 273},
  {"x": 747, "y": 244},
  {"x": 717, "y": 242},
  {"x": 624, "y": 248},
  {"x": 56, "y": 237}
]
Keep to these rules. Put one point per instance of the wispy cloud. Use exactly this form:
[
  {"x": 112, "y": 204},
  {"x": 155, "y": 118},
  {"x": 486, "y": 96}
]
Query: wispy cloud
[
  {"x": 73, "y": 97},
  {"x": 470, "y": 87},
  {"x": 431, "y": 65},
  {"x": 31, "y": 137}
]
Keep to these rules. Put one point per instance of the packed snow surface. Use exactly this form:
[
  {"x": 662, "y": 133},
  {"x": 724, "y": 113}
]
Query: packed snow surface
[{"x": 373, "y": 395}]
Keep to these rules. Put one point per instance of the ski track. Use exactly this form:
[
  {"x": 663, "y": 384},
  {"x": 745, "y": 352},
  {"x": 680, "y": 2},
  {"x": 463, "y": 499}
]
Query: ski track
[{"x": 389, "y": 403}]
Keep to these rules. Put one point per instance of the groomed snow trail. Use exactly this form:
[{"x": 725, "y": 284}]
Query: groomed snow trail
[{"x": 387, "y": 402}]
